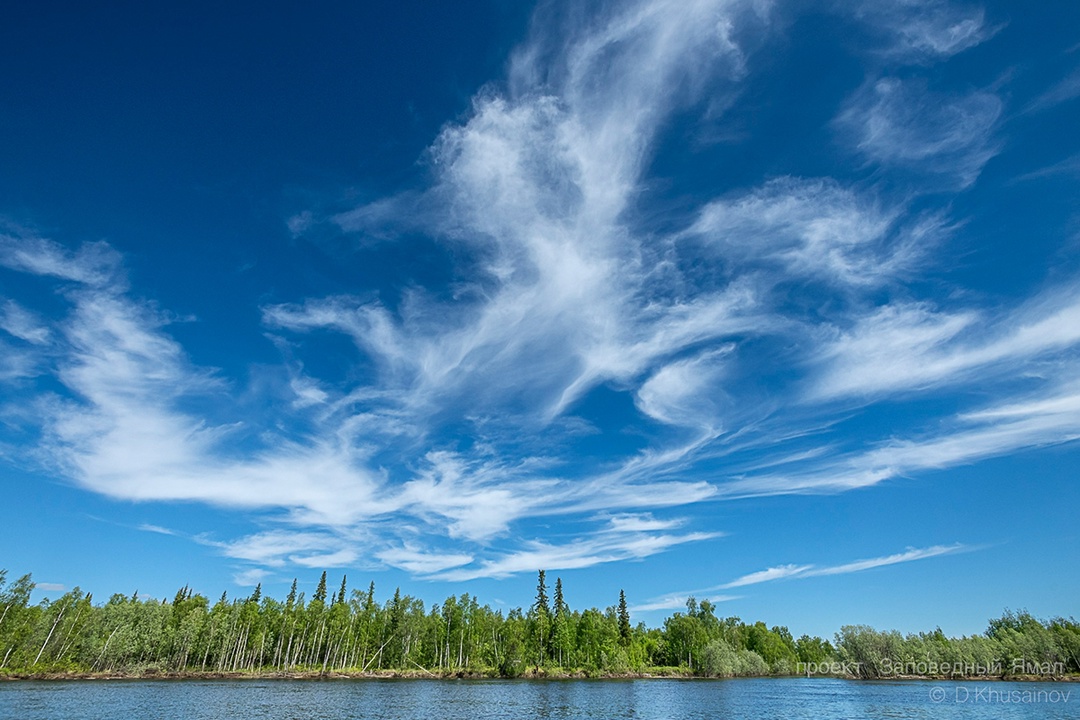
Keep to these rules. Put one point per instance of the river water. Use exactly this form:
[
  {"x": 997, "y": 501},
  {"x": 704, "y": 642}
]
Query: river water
[{"x": 788, "y": 698}]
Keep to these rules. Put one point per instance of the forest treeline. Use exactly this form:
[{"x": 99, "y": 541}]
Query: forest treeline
[{"x": 352, "y": 632}]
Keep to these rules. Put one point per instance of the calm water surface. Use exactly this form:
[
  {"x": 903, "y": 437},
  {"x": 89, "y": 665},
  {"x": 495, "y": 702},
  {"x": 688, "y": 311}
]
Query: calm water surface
[{"x": 788, "y": 698}]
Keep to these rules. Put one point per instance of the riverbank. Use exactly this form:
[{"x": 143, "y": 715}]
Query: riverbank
[
  {"x": 316, "y": 675},
  {"x": 340, "y": 675}
]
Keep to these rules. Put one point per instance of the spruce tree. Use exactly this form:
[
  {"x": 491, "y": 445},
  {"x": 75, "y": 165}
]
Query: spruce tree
[
  {"x": 396, "y": 652},
  {"x": 369, "y": 600},
  {"x": 292, "y": 596},
  {"x": 541, "y": 605},
  {"x": 541, "y": 612},
  {"x": 257, "y": 595},
  {"x": 395, "y": 612},
  {"x": 560, "y": 632},
  {"x": 341, "y": 593},
  {"x": 560, "y": 604},
  {"x": 320, "y": 591},
  {"x": 624, "y": 619}
]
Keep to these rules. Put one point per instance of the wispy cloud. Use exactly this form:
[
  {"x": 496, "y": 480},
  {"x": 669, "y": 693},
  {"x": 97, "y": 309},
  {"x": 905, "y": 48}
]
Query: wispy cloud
[
  {"x": 602, "y": 548},
  {"x": 910, "y": 346},
  {"x": 1048, "y": 417},
  {"x": 17, "y": 364},
  {"x": 902, "y": 123},
  {"x": 50, "y": 587},
  {"x": 675, "y": 600},
  {"x": 921, "y": 31},
  {"x": 812, "y": 228},
  {"x": 147, "y": 527},
  {"x": 774, "y": 573},
  {"x": 680, "y": 392},
  {"x": 95, "y": 264},
  {"x": 1068, "y": 166},
  {"x": 1068, "y": 88},
  {"x": 23, "y": 324},
  {"x": 419, "y": 562},
  {"x": 909, "y": 555},
  {"x": 250, "y": 577},
  {"x": 786, "y": 572},
  {"x": 274, "y": 548}
]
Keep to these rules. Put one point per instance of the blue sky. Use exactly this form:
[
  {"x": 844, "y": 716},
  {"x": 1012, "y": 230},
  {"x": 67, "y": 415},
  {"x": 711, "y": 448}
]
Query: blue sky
[{"x": 771, "y": 303}]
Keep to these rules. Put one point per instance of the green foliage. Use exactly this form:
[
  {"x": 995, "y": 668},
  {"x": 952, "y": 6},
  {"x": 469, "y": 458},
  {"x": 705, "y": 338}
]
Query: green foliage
[
  {"x": 721, "y": 659},
  {"x": 872, "y": 653},
  {"x": 1016, "y": 644},
  {"x": 357, "y": 633},
  {"x": 813, "y": 650}
]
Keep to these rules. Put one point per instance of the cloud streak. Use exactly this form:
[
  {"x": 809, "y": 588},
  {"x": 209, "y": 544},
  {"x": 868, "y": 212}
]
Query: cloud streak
[
  {"x": 675, "y": 600},
  {"x": 788, "y": 572}
]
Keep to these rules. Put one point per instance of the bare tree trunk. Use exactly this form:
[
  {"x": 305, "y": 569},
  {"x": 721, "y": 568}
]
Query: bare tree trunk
[
  {"x": 106, "y": 648},
  {"x": 68, "y": 635},
  {"x": 51, "y": 630}
]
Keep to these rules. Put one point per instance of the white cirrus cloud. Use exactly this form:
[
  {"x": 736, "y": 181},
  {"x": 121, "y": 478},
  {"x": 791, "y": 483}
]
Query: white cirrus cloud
[
  {"x": 786, "y": 572},
  {"x": 95, "y": 264},
  {"x": 902, "y": 123},
  {"x": 1066, "y": 89},
  {"x": 813, "y": 228},
  {"x": 677, "y": 601},
  {"x": 913, "y": 346},
  {"x": 925, "y": 30},
  {"x": 23, "y": 324},
  {"x": 604, "y": 548}
]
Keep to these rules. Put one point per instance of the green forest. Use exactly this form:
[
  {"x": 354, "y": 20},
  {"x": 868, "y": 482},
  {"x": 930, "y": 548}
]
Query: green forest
[{"x": 339, "y": 630}]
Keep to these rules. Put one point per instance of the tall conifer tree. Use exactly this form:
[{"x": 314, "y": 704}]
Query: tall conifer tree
[{"x": 624, "y": 620}]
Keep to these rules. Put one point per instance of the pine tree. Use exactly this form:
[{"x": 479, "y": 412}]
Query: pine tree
[
  {"x": 257, "y": 595},
  {"x": 624, "y": 620}
]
